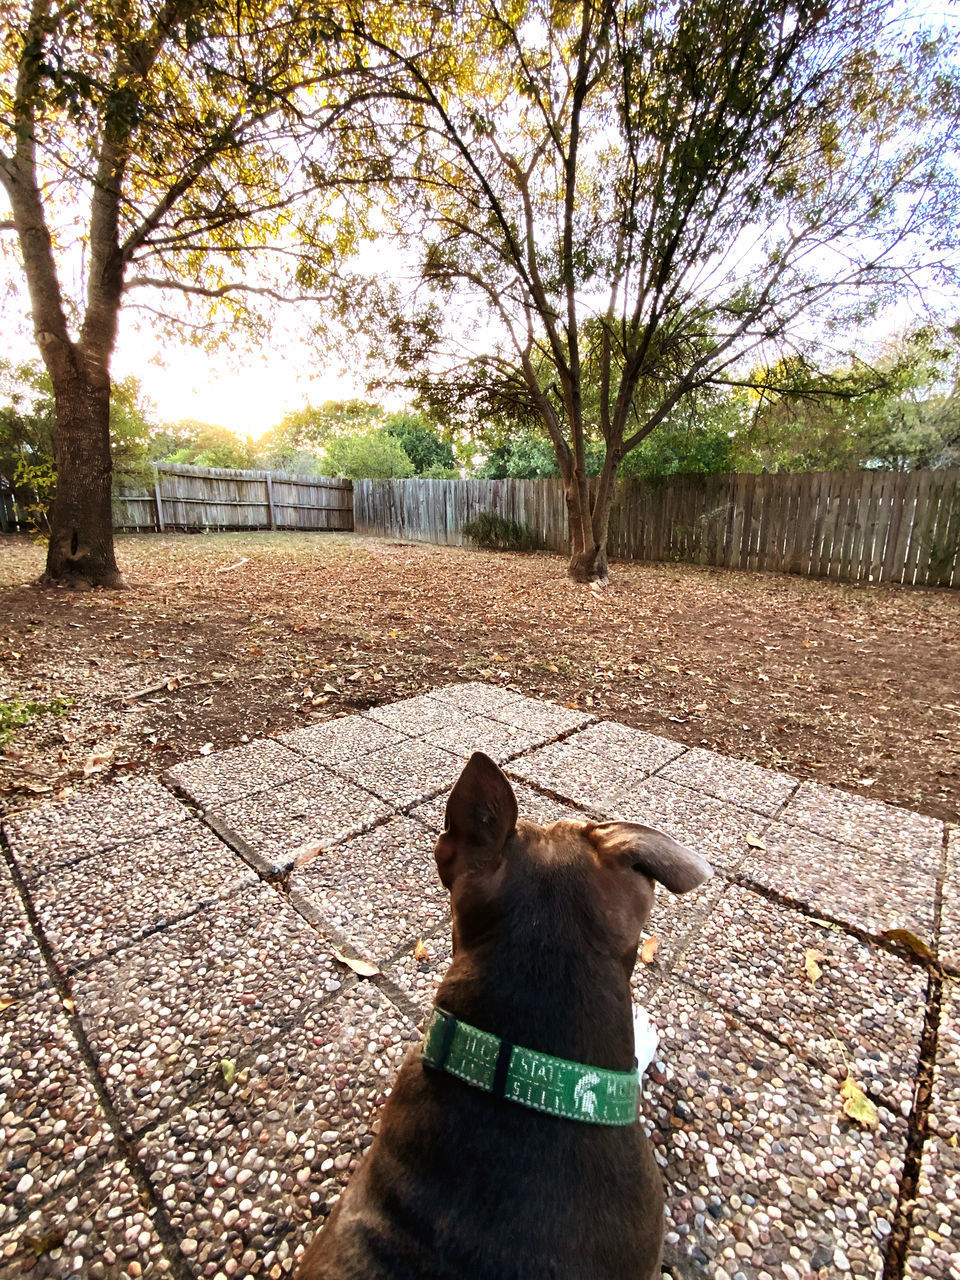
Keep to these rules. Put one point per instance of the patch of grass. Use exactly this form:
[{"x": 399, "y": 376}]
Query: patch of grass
[
  {"x": 14, "y": 714},
  {"x": 494, "y": 533}
]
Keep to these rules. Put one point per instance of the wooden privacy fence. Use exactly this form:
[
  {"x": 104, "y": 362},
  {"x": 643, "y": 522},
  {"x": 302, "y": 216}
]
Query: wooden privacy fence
[
  {"x": 861, "y": 526},
  {"x": 184, "y": 497}
]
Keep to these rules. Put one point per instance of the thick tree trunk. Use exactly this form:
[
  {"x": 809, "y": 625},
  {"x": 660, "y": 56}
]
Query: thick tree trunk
[
  {"x": 588, "y": 542},
  {"x": 81, "y": 523}
]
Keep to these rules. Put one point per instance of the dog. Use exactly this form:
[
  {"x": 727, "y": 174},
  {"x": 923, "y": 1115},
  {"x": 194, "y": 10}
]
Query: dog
[{"x": 494, "y": 1160}]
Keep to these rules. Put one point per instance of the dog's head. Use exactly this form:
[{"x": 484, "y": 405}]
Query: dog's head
[{"x": 590, "y": 883}]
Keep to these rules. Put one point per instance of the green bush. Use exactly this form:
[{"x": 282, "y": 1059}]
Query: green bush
[
  {"x": 494, "y": 533},
  {"x": 367, "y": 455}
]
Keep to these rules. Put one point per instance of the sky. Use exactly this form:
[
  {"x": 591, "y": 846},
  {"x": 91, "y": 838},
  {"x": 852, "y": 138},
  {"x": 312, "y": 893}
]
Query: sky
[{"x": 248, "y": 392}]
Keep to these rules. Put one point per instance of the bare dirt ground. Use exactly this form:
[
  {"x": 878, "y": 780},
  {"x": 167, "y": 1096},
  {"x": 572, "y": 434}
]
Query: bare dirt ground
[{"x": 221, "y": 638}]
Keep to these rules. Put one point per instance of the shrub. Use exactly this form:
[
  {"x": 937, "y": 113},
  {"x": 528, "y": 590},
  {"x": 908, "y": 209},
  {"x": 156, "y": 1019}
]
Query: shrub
[
  {"x": 494, "y": 533},
  {"x": 367, "y": 455}
]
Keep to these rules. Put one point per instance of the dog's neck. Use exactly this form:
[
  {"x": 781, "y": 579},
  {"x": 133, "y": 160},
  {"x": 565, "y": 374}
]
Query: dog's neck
[{"x": 572, "y": 1005}]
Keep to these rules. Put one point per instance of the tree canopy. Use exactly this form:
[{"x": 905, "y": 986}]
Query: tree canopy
[
  {"x": 151, "y": 152},
  {"x": 652, "y": 199}
]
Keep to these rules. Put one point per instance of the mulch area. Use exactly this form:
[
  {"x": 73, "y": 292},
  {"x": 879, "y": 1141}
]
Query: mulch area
[{"x": 221, "y": 638}]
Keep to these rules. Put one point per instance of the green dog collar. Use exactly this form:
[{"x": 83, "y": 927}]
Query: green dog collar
[{"x": 560, "y": 1088}]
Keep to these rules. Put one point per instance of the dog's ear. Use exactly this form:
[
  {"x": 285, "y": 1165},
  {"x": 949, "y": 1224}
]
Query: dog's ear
[
  {"x": 651, "y": 852},
  {"x": 481, "y": 814}
]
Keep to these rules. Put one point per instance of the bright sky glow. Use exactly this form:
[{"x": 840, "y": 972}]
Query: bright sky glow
[{"x": 246, "y": 392}]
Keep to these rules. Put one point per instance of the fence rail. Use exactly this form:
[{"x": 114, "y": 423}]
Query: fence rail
[
  {"x": 185, "y": 497},
  {"x": 862, "y": 526}
]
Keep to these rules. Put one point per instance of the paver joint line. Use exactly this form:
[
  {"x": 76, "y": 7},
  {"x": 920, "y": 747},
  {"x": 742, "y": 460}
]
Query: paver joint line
[{"x": 895, "y": 1263}]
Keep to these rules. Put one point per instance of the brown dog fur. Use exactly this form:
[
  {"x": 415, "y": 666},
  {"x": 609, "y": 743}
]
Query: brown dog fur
[{"x": 546, "y": 924}]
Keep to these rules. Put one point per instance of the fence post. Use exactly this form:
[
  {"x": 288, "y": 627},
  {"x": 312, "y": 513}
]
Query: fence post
[
  {"x": 271, "y": 513},
  {"x": 158, "y": 499}
]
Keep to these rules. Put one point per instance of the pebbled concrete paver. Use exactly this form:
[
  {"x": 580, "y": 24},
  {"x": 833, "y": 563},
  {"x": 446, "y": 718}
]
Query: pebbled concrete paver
[
  {"x": 934, "y": 1249},
  {"x": 944, "y": 1115},
  {"x": 761, "y": 1167},
  {"x": 52, "y": 1128},
  {"x": 298, "y": 819},
  {"x": 867, "y": 824},
  {"x": 108, "y": 900},
  {"x": 736, "y": 781},
  {"x": 862, "y": 1015},
  {"x": 163, "y": 1015},
  {"x": 103, "y": 1230},
  {"x": 247, "y": 1172},
  {"x": 21, "y": 965},
  {"x": 630, "y": 747},
  {"x": 377, "y": 891},
  {"x": 345, "y": 738},
  {"x": 218, "y": 779},
  {"x": 950, "y": 905},
  {"x": 411, "y": 772},
  {"x": 55, "y": 834},
  {"x": 188, "y": 1074},
  {"x": 867, "y": 889}
]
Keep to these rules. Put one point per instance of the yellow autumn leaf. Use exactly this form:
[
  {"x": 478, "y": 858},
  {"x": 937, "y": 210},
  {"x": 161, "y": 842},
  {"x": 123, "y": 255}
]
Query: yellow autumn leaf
[
  {"x": 420, "y": 951},
  {"x": 910, "y": 941},
  {"x": 811, "y": 963},
  {"x": 649, "y": 949},
  {"x": 229, "y": 1070},
  {"x": 857, "y": 1105}
]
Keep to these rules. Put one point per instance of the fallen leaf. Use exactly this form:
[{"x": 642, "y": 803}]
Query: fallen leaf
[
  {"x": 649, "y": 949},
  {"x": 306, "y": 853},
  {"x": 69, "y": 1005},
  {"x": 857, "y": 1105},
  {"x": 96, "y": 762},
  {"x": 914, "y": 944},
  {"x": 754, "y": 841},
  {"x": 420, "y": 952},
  {"x": 207, "y": 749},
  {"x": 39, "y": 1245},
  {"x": 811, "y": 963},
  {"x": 363, "y": 967},
  {"x": 676, "y": 669},
  {"x": 5, "y": 1004},
  {"x": 229, "y": 1070}
]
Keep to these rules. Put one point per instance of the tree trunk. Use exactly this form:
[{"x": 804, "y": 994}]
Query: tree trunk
[
  {"x": 81, "y": 521},
  {"x": 588, "y": 550}
]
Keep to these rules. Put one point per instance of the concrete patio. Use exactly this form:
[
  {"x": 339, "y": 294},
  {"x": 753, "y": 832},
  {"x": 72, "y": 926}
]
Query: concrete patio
[{"x": 189, "y": 1072}]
